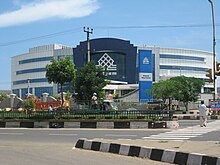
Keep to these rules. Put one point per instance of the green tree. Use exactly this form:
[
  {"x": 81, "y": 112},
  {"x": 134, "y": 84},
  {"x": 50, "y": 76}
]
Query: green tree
[
  {"x": 61, "y": 72},
  {"x": 163, "y": 90},
  {"x": 187, "y": 89},
  {"x": 89, "y": 79},
  {"x": 3, "y": 96},
  {"x": 28, "y": 105},
  {"x": 68, "y": 95}
]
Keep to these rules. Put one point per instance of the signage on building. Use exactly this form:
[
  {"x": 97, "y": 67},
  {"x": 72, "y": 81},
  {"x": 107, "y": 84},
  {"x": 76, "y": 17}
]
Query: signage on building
[
  {"x": 214, "y": 105},
  {"x": 145, "y": 61},
  {"x": 108, "y": 64},
  {"x": 145, "y": 75}
]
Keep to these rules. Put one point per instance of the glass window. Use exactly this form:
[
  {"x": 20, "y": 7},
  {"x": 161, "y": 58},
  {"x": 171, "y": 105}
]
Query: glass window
[
  {"x": 182, "y": 57},
  {"x": 182, "y": 68},
  {"x": 31, "y": 81},
  {"x": 24, "y": 92},
  {"x": 40, "y": 90},
  {"x": 153, "y": 66},
  {"x": 30, "y": 71},
  {"x": 35, "y": 60},
  {"x": 16, "y": 91}
]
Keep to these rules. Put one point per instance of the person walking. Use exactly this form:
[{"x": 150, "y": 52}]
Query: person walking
[
  {"x": 94, "y": 101},
  {"x": 50, "y": 109},
  {"x": 203, "y": 114}
]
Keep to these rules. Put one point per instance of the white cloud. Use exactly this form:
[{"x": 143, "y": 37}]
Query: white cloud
[{"x": 45, "y": 9}]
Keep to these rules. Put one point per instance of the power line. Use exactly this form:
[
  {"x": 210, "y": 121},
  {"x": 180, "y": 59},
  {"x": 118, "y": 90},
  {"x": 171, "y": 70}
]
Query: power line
[
  {"x": 155, "y": 26},
  {"x": 105, "y": 27},
  {"x": 40, "y": 37}
]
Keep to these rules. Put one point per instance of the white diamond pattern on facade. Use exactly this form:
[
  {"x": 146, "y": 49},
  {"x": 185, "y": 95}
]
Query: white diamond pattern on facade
[{"x": 107, "y": 62}]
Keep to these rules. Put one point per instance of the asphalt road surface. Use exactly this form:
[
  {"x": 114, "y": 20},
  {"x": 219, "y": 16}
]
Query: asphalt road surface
[
  {"x": 49, "y": 153},
  {"x": 22, "y": 146}
]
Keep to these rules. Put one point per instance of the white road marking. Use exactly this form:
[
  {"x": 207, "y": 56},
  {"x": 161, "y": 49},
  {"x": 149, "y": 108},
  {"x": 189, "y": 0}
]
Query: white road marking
[
  {"x": 186, "y": 133},
  {"x": 53, "y": 134},
  {"x": 166, "y": 138},
  {"x": 166, "y": 135},
  {"x": 123, "y": 139},
  {"x": 120, "y": 135},
  {"x": 11, "y": 133}
]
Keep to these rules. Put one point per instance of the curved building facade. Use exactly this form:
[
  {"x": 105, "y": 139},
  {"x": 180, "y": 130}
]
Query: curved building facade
[
  {"x": 171, "y": 62},
  {"x": 118, "y": 58},
  {"x": 29, "y": 70}
]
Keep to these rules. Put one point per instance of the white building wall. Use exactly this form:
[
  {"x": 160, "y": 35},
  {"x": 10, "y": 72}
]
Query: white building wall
[
  {"x": 36, "y": 52},
  {"x": 163, "y": 73}
]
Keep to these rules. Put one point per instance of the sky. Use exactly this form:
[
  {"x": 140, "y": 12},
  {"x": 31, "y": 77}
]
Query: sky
[{"x": 165, "y": 23}]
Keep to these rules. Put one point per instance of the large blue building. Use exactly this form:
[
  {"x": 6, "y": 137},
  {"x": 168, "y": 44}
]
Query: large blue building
[{"x": 118, "y": 57}]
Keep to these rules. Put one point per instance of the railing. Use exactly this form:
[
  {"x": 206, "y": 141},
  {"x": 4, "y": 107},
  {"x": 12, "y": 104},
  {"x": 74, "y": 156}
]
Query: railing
[{"x": 155, "y": 115}]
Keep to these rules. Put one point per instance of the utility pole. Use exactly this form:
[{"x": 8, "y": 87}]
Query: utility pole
[
  {"x": 88, "y": 31},
  {"x": 214, "y": 43}
]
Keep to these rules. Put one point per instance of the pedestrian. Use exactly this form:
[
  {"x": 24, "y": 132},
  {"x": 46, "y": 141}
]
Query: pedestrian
[
  {"x": 50, "y": 109},
  {"x": 94, "y": 101},
  {"x": 203, "y": 114}
]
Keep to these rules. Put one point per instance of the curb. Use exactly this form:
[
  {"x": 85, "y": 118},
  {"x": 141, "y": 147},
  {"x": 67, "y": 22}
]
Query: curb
[
  {"x": 168, "y": 156},
  {"x": 89, "y": 124}
]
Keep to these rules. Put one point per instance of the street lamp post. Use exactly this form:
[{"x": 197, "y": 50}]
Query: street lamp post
[{"x": 214, "y": 43}]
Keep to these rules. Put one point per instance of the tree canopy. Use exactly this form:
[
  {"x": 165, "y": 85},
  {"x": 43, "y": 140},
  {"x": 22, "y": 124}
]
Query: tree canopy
[
  {"x": 3, "y": 96},
  {"x": 185, "y": 89},
  {"x": 163, "y": 89},
  {"x": 61, "y": 72},
  {"x": 89, "y": 79}
]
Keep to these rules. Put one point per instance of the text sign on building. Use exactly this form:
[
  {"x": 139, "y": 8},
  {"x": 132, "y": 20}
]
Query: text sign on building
[{"x": 145, "y": 75}]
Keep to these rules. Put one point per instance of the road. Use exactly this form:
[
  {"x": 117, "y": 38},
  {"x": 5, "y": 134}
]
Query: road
[
  {"x": 33, "y": 153},
  {"x": 188, "y": 127},
  {"x": 55, "y": 146}
]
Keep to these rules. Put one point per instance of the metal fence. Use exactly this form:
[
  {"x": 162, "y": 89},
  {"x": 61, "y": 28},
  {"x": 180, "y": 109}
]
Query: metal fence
[{"x": 89, "y": 114}]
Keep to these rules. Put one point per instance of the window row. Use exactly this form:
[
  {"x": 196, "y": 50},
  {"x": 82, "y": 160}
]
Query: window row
[
  {"x": 38, "y": 91},
  {"x": 182, "y": 68},
  {"x": 36, "y": 60},
  {"x": 182, "y": 57},
  {"x": 31, "y": 81},
  {"x": 30, "y": 71}
]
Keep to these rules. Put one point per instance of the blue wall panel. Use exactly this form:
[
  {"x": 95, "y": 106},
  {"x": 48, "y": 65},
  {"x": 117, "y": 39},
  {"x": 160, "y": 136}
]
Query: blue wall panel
[
  {"x": 145, "y": 75},
  {"x": 110, "y": 45}
]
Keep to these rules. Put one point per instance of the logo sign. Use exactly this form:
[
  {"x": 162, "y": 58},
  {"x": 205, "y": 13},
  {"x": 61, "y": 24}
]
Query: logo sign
[
  {"x": 145, "y": 76},
  {"x": 108, "y": 63},
  {"x": 145, "y": 61}
]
